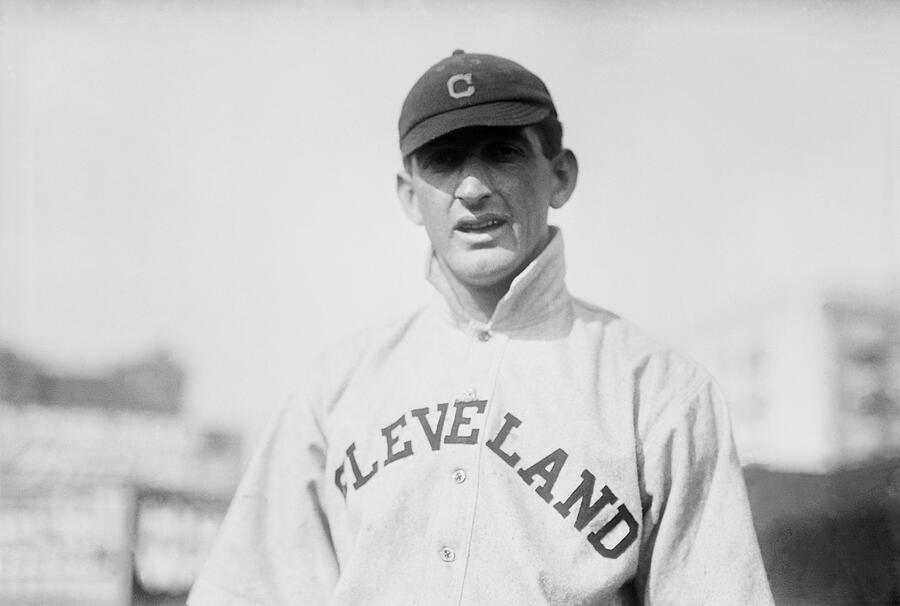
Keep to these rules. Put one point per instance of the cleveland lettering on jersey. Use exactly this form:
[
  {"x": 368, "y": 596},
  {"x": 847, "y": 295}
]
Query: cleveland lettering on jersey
[{"x": 618, "y": 531}]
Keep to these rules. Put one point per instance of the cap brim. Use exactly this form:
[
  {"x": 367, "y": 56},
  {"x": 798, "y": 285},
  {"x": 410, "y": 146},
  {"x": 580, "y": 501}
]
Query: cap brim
[{"x": 498, "y": 113}]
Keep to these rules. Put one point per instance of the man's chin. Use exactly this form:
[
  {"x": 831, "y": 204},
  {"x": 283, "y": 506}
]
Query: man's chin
[{"x": 487, "y": 269}]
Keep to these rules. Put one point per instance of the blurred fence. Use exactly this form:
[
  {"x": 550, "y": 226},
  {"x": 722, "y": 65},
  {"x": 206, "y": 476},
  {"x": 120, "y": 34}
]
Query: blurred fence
[
  {"x": 830, "y": 539},
  {"x": 107, "y": 508}
]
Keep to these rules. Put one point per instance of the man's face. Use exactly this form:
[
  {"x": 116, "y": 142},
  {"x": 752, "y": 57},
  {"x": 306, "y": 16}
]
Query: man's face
[{"x": 483, "y": 196}]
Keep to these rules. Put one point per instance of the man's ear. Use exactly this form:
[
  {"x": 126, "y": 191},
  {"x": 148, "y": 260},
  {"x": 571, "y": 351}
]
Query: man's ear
[
  {"x": 565, "y": 169},
  {"x": 408, "y": 201}
]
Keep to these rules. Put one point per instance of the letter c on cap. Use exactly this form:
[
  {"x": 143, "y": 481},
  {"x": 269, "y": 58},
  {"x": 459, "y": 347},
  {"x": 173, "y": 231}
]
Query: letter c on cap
[{"x": 459, "y": 94}]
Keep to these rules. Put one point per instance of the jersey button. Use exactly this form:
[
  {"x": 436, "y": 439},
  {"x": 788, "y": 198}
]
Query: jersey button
[
  {"x": 447, "y": 554},
  {"x": 469, "y": 395},
  {"x": 459, "y": 476},
  {"x": 484, "y": 336}
]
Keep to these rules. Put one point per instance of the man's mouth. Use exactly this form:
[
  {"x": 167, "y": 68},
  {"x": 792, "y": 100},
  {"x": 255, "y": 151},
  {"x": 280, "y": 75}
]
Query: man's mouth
[{"x": 482, "y": 225}]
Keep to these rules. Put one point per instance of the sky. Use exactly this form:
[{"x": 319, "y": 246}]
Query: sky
[{"x": 217, "y": 179}]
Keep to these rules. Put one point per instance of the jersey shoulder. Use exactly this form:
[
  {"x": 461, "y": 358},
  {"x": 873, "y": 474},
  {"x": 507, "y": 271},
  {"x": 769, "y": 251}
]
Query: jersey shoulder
[
  {"x": 663, "y": 378},
  {"x": 335, "y": 366}
]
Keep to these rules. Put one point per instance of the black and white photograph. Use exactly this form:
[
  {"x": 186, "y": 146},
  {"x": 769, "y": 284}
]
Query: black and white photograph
[{"x": 421, "y": 303}]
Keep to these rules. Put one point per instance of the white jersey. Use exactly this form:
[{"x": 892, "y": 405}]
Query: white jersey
[{"x": 554, "y": 455}]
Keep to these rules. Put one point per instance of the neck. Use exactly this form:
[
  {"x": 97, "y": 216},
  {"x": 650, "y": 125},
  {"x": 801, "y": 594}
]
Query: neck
[{"x": 479, "y": 302}]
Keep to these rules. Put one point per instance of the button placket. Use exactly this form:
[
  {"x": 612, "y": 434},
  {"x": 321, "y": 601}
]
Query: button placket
[{"x": 454, "y": 519}]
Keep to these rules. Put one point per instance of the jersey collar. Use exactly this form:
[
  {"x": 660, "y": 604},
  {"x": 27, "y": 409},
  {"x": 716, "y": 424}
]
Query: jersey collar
[{"x": 535, "y": 294}]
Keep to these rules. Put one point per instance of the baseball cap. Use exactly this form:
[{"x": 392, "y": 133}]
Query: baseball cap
[{"x": 469, "y": 89}]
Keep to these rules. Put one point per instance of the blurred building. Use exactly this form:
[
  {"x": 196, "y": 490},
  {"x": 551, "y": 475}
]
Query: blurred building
[
  {"x": 101, "y": 503},
  {"x": 813, "y": 382},
  {"x": 152, "y": 384}
]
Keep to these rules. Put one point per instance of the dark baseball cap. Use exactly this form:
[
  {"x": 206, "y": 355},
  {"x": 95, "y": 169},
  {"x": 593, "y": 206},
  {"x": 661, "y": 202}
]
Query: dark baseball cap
[{"x": 468, "y": 89}]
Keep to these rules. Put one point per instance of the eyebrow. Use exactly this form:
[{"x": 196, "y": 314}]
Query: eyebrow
[{"x": 513, "y": 134}]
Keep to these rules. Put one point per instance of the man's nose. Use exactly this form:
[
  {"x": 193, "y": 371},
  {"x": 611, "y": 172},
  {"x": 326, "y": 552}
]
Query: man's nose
[{"x": 472, "y": 190}]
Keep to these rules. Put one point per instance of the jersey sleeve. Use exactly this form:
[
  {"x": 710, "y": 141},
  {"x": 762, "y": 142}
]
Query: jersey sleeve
[
  {"x": 699, "y": 545},
  {"x": 274, "y": 546}
]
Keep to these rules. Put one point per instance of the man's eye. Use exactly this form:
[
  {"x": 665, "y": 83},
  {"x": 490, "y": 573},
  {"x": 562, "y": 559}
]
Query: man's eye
[
  {"x": 505, "y": 152},
  {"x": 441, "y": 159}
]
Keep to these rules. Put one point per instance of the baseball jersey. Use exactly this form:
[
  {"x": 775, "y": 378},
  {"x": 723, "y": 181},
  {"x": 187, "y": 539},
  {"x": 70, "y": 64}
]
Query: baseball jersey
[{"x": 552, "y": 455}]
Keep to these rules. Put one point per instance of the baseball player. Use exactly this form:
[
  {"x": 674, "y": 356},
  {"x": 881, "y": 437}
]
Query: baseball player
[{"x": 505, "y": 443}]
